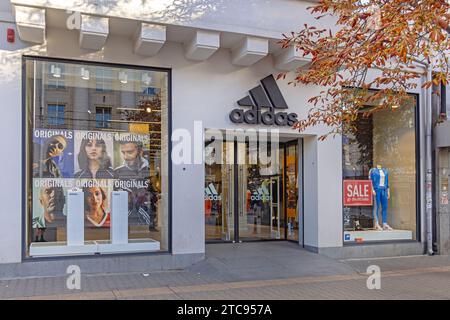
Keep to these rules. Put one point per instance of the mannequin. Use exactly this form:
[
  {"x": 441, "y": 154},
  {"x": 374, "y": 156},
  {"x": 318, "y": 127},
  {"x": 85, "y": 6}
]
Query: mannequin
[{"x": 380, "y": 183}]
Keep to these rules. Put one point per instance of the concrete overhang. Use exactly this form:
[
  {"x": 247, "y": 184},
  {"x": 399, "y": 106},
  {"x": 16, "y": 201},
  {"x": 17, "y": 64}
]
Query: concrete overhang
[
  {"x": 290, "y": 59},
  {"x": 93, "y": 32},
  {"x": 147, "y": 38},
  {"x": 30, "y": 23},
  {"x": 202, "y": 45},
  {"x": 249, "y": 51}
]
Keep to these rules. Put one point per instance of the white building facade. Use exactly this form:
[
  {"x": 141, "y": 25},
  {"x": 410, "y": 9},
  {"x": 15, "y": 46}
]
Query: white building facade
[{"x": 135, "y": 132}]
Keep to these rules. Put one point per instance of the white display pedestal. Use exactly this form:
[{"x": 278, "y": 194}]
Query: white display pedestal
[
  {"x": 75, "y": 218},
  {"x": 373, "y": 235},
  {"x": 119, "y": 217}
]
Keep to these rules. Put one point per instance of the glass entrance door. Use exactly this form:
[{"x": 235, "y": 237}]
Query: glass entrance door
[
  {"x": 251, "y": 191},
  {"x": 259, "y": 192},
  {"x": 219, "y": 191}
]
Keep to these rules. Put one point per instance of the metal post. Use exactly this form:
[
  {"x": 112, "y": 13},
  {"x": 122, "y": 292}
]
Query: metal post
[
  {"x": 429, "y": 172},
  {"x": 428, "y": 159}
]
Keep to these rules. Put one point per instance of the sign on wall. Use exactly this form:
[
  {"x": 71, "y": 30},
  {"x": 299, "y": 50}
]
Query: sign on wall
[
  {"x": 265, "y": 101},
  {"x": 358, "y": 193}
]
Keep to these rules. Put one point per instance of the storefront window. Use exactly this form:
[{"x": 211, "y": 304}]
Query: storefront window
[
  {"x": 380, "y": 177},
  {"x": 97, "y": 159}
]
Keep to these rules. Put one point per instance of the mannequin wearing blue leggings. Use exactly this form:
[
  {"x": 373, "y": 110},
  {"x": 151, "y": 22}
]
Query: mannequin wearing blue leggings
[{"x": 380, "y": 183}]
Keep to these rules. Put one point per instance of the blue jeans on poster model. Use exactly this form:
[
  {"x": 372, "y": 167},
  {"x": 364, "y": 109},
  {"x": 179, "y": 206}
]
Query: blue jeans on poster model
[{"x": 381, "y": 198}]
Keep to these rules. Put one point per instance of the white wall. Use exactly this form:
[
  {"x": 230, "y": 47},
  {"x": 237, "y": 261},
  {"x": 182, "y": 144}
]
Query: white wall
[
  {"x": 11, "y": 146},
  {"x": 311, "y": 196},
  {"x": 204, "y": 91},
  {"x": 329, "y": 169}
]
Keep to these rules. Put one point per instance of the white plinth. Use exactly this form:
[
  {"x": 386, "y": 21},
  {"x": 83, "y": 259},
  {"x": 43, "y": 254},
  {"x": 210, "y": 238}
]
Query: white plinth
[
  {"x": 45, "y": 249},
  {"x": 75, "y": 218},
  {"x": 134, "y": 245},
  {"x": 119, "y": 218},
  {"x": 42, "y": 249},
  {"x": 372, "y": 235}
]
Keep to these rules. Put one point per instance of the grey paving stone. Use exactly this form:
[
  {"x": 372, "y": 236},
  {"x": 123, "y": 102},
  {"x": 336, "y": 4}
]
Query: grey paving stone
[
  {"x": 230, "y": 263},
  {"x": 399, "y": 263}
]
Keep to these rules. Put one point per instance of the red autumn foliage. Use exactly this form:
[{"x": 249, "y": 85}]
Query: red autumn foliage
[{"x": 390, "y": 36}]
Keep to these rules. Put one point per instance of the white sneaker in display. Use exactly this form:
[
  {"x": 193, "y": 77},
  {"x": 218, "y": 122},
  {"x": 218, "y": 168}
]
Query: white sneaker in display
[
  {"x": 387, "y": 227},
  {"x": 377, "y": 227}
]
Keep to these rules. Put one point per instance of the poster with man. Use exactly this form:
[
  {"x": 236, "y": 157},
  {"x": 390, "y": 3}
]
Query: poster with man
[
  {"x": 129, "y": 156},
  {"x": 132, "y": 174},
  {"x": 49, "y": 207},
  {"x": 52, "y": 153}
]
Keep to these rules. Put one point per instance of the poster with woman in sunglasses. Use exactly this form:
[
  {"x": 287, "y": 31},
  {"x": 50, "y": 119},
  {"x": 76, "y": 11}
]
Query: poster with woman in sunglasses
[{"x": 53, "y": 153}]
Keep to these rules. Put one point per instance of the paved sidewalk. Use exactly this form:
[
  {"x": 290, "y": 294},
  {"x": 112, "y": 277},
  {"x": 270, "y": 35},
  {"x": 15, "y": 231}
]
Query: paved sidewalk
[{"x": 272, "y": 270}]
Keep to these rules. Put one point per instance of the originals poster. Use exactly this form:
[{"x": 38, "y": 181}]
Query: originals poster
[{"x": 52, "y": 153}]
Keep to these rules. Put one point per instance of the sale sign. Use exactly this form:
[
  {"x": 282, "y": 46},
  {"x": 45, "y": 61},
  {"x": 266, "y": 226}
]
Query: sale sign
[{"x": 358, "y": 193}]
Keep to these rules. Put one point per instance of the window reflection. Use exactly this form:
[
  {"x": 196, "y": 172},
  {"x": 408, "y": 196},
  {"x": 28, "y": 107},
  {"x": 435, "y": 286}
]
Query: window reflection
[{"x": 98, "y": 129}]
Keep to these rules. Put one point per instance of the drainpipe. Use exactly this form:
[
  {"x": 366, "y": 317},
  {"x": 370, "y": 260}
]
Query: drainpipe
[
  {"x": 429, "y": 171},
  {"x": 428, "y": 160}
]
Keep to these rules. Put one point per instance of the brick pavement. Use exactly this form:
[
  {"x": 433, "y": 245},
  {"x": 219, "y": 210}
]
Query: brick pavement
[
  {"x": 290, "y": 273},
  {"x": 421, "y": 283}
]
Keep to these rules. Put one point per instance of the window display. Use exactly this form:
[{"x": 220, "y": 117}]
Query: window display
[
  {"x": 121, "y": 164},
  {"x": 379, "y": 171}
]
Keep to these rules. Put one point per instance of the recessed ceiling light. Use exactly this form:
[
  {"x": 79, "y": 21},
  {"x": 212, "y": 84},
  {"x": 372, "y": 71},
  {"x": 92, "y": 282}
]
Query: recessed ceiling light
[
  {"x": 85, "y": 74},
  {"x": 146, "y": 79},
  {"x": 55, "y": 71},
  {"x": 123, "y": 77}
]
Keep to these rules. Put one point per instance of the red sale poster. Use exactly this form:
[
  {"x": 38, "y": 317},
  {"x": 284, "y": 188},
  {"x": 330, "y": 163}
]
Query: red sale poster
[{"x": 358, "y": 193}]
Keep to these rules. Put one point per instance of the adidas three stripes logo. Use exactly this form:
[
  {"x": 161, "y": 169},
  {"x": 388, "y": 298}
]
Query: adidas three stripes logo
[{"x": 265, "y": 95}]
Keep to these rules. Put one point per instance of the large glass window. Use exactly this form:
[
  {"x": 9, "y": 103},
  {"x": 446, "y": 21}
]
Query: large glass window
[
  {"x": 97, "y": 159},
  {"x": 380, "y": 177}
]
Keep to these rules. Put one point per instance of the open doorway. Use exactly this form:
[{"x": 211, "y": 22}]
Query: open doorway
[{"x": 247, "y": 199}]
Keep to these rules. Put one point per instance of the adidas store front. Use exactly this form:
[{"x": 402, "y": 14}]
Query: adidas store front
[
  {"x": 253, "y": 176},
  {"x": 134, "y": 141}
]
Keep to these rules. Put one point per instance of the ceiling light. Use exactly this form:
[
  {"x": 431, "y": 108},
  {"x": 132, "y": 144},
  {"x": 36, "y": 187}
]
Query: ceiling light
[
  {"x": 123, "y": 77},
  {"x": 146, "y": 79},
  {"x": 148, "y": 109},
  {"x": 55, "y": 71},
  {"x": 84, "y": 74}
]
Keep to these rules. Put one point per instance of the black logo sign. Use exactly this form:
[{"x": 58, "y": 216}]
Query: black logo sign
[{"x": 266, "y": 95}]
